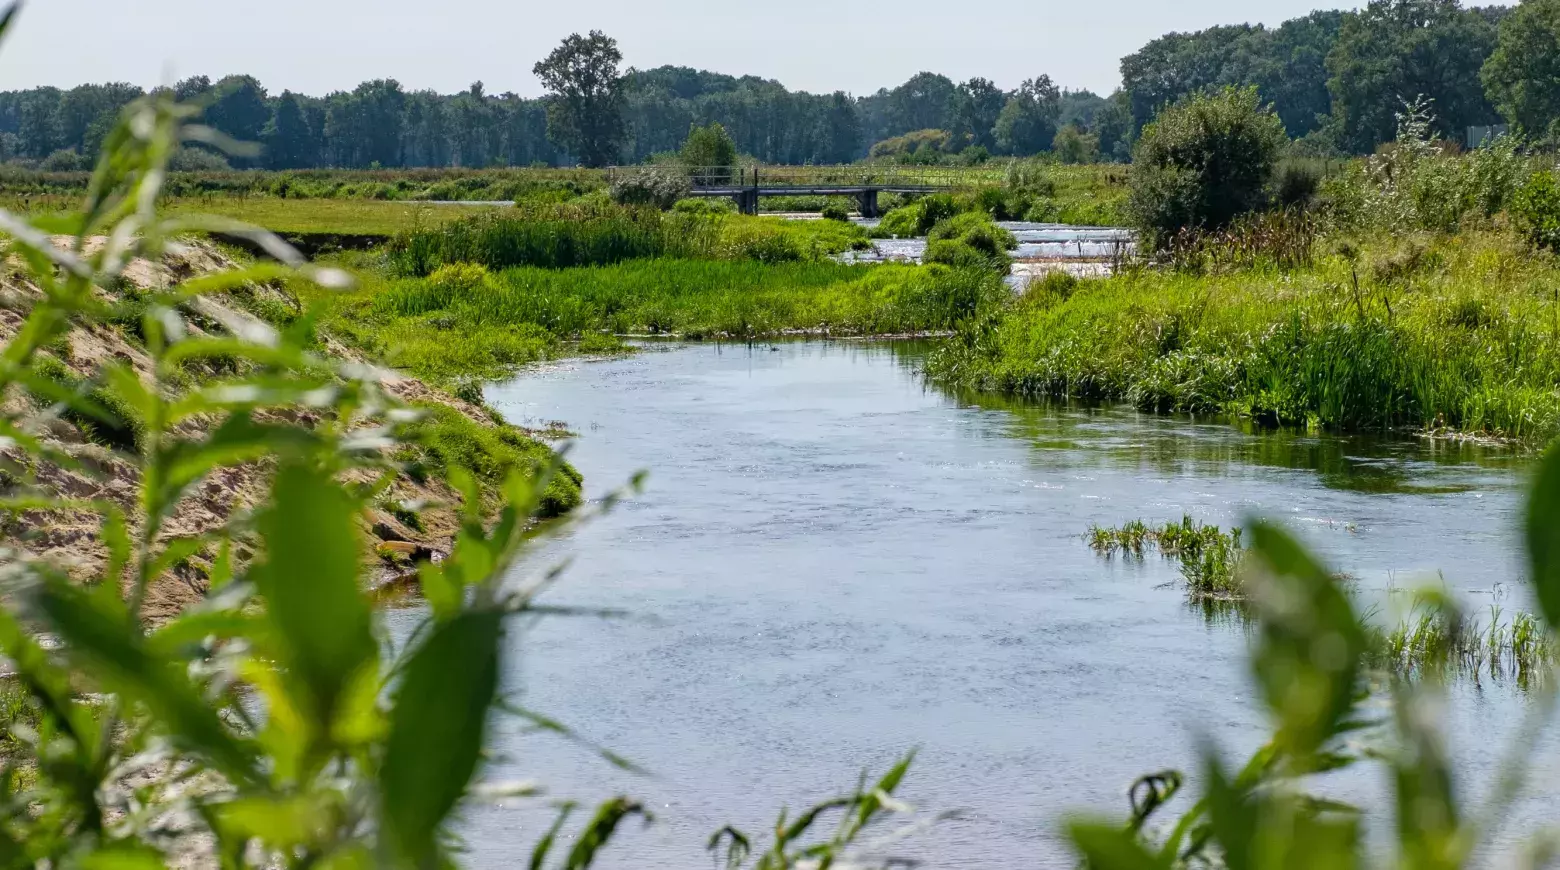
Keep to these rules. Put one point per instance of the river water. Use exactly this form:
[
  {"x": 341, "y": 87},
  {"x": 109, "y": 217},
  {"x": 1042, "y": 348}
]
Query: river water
[{"x": 833, "y": 563}]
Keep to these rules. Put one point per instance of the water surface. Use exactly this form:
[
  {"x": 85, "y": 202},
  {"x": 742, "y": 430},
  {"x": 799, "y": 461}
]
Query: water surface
[{"x": 832, "y": 564}]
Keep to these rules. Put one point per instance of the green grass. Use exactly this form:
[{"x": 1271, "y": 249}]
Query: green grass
[
  {"x": 1452, "y": 332},
  {"x": 445, "y": 438},
  {"x": 466, "y": 321},
  {"x": 1208, "y": 555},
  {"x": 564, "y": 236},
  {"x": 346, "y": 217}
]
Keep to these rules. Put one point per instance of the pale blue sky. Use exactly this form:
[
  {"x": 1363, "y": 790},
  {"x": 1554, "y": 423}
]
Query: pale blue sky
[{"x": 315, "y": 46}]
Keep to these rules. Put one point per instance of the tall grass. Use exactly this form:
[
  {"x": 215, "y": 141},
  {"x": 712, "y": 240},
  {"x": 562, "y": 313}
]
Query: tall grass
[
  {"x": 1457, "y": 332},
  {"x": 466, "y": 321},
  {"x": 567, "y": 236}
]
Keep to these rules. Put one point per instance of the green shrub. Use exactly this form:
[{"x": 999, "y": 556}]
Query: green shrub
[
  {"x": 710, "y": 152},
  {"x": 1536, "y": 209},
  {"x": 657, "y": 187},
  {"x": 834, "y": 212},
  {"x": 1204, "y": 162}
]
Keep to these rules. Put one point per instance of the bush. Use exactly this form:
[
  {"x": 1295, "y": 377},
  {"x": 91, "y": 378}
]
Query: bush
[
  {"x": 1204, "y": 162},
  {"x": 1297, "y": 185},
  {"x": 970, "y": 239},
  {"x": 201, "y": 160},
  {"x": 711, "y": 153},
  {"x": 65, "y": 160},
  {"x": 835, "y": 212},
  {"x": 1536, "y": 210},
  {"x": 660, "y": 187}
]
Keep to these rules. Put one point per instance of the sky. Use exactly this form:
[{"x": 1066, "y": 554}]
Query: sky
[{"x": 317, "y": 46}]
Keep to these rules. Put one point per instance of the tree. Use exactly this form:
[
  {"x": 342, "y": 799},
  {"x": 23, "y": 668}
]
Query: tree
[
  {"x": 38, "y": 132},
  {"x": 1394, "y": 51},
  {"x": 238, "y": 107},
  {"x": 921, "y": 103},
  {"x": 289, "y": 143},
  {"x": 1113, "y": 128},
  {"x": 1073, "y": 145},
  {"x": 1204, "y": 162},
  {"x": 709, "y": 150},
  {"x": 585, "y": 97},
  {"x": 1522, "y": 77},
  {"x": 976, "y": 106},
  {"x": 1027, "y": 124}
]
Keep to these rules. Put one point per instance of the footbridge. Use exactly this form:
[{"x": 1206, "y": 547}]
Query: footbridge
[{"x": 745, "y": 185}]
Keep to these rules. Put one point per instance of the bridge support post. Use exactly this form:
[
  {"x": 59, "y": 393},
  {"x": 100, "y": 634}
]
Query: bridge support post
[
  {"x": 748, "y": 204},
  {"x": 869, "y": 202}
]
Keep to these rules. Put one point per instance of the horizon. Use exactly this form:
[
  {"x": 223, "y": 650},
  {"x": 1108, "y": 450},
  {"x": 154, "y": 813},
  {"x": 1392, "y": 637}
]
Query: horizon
[{"x": 199, "y": 42}]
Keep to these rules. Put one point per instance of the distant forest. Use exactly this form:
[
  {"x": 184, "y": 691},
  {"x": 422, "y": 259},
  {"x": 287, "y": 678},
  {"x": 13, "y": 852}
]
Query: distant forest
[{"x": 1336, "y": 80}]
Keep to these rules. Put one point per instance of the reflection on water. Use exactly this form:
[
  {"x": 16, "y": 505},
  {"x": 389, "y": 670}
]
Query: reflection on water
[{"x": 833, "y": 563}]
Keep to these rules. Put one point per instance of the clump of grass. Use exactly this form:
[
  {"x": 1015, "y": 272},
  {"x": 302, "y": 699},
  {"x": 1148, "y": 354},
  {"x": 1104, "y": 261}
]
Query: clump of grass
[
  {"x": 445, "y": 439},
  {"x": 1208, "y": 555},
  {"x": 1430, "y": 640}
]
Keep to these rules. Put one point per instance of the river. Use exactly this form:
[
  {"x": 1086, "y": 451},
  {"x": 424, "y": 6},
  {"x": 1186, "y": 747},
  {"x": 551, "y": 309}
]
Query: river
[{"x": 833, "y": 563}]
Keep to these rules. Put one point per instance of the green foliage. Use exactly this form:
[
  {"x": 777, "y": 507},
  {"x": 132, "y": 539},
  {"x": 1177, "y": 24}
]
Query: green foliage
[
  {"x": 1397, "y": 50},
  {"x": 710, "y": 151},
  {"x": 1208, "y": 555},
  {"x": 1202, "y": 163},
  {"x": 445, "y": 439},
  {"x": 835, "y": 212},
  {"x": 1073, "y": 145},
  {"x": 659, "y": 187},
  {"x": 1417, "y": 184},
  {"x": 1329, "y": 345},
  {"x": 970, "y": 239},
  {"x": 1536, "y": 209},
  {"x": 1028, "y": 122},
  {"x": 918, "y": 147},
  {"x": 267, "y": 716},
  {"x": 585, "y": 97},
  {"x": 1520, "y": 76}
]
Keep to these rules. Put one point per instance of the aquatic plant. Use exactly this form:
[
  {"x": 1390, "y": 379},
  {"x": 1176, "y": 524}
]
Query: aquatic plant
[{"x": 1208, "y": 555}]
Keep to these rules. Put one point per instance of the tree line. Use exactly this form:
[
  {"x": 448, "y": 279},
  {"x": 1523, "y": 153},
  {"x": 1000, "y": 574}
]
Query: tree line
[{"x": 1336, "y": 79}]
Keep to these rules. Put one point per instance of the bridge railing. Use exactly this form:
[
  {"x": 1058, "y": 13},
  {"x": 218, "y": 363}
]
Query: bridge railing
[{"x": 751, "y": 176}]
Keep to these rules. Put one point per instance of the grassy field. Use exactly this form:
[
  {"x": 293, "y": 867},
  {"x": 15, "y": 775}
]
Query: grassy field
[{"x": 1432, "y": 332}]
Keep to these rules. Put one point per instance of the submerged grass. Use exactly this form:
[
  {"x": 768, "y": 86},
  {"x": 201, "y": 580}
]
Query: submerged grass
[
  {"x": 1431, "y": 639},
  {"x": 1449, "y": 332},
  {"x": 1208, "y": 555}
]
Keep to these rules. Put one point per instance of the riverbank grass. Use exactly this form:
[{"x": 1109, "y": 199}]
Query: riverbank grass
[{"x": 1458, "y": 332}]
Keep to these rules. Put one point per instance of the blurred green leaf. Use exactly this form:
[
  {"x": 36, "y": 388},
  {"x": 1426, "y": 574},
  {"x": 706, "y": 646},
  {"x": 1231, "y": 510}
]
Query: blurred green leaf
[
  {"x": 600, "y": 829},
  {"x": 1108, "y": 847},
  {"x": 1543, "y": 536},
  {"x": 1429, "y": 833},
  {"x": 110, "y": 648},
  {"x": 1308, "y": 656},
  {"x": 321, "y": 619},
  {"x": 437, "y": 728}
]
